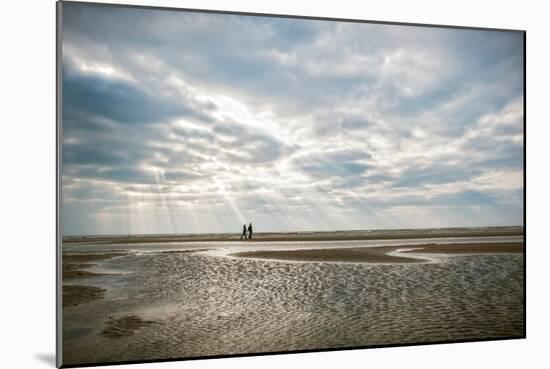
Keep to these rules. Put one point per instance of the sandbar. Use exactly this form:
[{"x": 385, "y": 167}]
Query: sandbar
[{"x": 381, "y": 254}]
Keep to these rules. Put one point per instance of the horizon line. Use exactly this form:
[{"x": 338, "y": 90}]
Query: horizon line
[{"x": 296, "y": 231}]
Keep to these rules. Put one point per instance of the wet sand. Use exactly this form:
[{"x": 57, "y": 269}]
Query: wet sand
[
  {"x": 159, "y": 301},
  {"x": 125, "y": 326},
  {"x": 472, "y": 248},
  {"x": 380, "y": 254},
  {"x": 77, "y": 295},
  {"x": 74, "y": 267}
]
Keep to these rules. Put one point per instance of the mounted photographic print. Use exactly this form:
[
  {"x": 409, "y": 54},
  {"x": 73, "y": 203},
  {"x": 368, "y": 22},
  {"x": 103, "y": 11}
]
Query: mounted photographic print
[{"x": 240, "y": 184}]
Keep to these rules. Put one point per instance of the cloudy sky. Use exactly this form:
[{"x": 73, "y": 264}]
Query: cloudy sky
[{"x": 177, "y": 122}]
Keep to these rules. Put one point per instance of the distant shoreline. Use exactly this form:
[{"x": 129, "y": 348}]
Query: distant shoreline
[{"x": 358, "y": 235}]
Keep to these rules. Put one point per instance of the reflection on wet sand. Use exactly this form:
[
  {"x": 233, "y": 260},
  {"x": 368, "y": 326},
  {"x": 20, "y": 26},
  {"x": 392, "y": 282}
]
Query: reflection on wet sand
[{"x": 155, "y": 301}]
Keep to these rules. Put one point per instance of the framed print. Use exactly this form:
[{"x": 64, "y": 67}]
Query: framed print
[{"x": 241, "y": 184}]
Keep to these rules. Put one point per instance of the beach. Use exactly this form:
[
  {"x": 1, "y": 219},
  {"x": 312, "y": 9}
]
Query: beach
[{"x": 161, "y": 297}]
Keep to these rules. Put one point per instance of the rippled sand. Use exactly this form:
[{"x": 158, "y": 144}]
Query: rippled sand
[{"x": 174, "y": 304}]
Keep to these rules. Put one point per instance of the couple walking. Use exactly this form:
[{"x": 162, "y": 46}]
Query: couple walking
[{"x": 249, "y": 231}]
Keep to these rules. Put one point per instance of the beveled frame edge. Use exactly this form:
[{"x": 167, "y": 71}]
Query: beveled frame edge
[{"x": 58, "y": 186}]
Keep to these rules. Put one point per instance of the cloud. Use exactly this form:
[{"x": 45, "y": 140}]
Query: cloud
[
  {"x": 190, "y": 122},
  {"x": 122, "y": 101},
  {"x": 334, "y": 164}
]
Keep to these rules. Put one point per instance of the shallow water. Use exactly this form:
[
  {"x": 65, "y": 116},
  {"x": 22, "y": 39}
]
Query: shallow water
[{"x": 205, "y": 303}]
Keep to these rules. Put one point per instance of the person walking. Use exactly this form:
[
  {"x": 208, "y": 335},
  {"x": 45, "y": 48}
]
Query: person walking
[
  {"x": 250, "y": 231},
  {"x": 244, "y": 232}
]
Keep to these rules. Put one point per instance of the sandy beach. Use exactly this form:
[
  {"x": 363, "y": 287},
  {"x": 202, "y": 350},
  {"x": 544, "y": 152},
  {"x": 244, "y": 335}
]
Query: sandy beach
[{"x": 168, "y": 299}]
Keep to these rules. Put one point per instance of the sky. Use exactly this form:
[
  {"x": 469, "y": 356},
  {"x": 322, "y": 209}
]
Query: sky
[{"x": 181, "y": 122}]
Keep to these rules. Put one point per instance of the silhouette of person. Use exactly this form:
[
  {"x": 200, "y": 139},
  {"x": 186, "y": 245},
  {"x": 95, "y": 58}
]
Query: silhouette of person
[
  {"x": 244, "y": 232},
  {"x": 250, "y": 231}
]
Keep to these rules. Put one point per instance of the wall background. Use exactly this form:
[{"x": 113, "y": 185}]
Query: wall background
[{"x": 27, "y": 187}]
